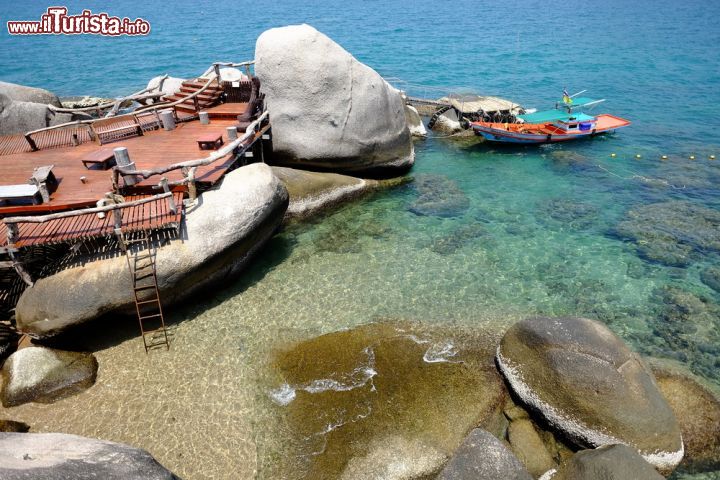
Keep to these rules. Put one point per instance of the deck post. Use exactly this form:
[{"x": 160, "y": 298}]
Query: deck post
[
  {"x": 204, "y": 118},
  {"x": 216, "y": 67},
  {"x": 122, "y": 159},
  {"x": 189, "y": 174},
  {"x": 31, "y": 142},
  {"x": 167, "y": 117},
  {"x": 12, "y": 237},
  {"x": 231, "y": 133},
  {"x": 117, "y": 218},
  {"x": 171, "y": 198}
]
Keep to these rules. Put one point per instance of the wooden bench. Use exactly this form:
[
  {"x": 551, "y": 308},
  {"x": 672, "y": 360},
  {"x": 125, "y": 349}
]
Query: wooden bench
[
  {"x": 119, "y": 126},
  {"x": 20, "y": 194},
  {"x": 210, "y": 141},
  {"x": 104, "y": 157}
]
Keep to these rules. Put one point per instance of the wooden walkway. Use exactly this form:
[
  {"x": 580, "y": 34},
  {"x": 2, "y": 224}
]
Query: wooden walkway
[
  {"x": 151, "y": 215},
  {"x": 154, "y": 149}
]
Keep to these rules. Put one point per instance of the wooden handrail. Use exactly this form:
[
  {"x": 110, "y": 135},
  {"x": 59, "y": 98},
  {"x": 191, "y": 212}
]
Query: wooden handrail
[
  {"x": 212, "y": 158},
  {"x": 76, "y": 213},
  {"x": 182, "y": 100},
  {"x": 110, "y": 104}
]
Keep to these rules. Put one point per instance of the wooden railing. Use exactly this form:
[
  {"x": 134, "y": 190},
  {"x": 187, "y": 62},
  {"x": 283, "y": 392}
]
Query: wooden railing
[
  {"x": 13, "y": 230},
  {"x": 189, "y": 167},
  {"x": 115, "y": 104}
]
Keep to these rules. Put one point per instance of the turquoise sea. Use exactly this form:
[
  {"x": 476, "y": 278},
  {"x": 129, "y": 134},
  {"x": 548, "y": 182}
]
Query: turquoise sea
[{"x": 556, "y": 230}]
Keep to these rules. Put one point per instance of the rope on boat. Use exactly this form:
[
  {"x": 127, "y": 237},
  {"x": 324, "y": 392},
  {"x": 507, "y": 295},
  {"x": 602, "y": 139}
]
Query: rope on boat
[{"x": 642, "y": 178}]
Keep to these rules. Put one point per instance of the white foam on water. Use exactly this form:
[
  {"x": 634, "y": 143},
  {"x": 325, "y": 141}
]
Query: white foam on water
[
  {"x": 283, "y": 395},
  {"x": 359, "y": 377},
  {"x": 441, "y": 352}
]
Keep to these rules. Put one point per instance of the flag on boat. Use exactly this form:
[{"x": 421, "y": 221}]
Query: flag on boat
[{"x": 566, "y": 97}]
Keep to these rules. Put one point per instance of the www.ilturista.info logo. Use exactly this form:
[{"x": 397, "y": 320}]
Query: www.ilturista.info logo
[{"x": 56, "y": 21}]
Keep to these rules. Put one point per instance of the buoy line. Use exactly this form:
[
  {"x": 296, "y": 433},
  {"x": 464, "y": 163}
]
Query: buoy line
[{"x": 642, "y": 178}]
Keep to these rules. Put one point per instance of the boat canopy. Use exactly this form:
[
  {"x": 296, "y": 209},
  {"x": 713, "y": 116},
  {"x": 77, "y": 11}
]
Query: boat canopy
[{"x": 555, "y": 115}]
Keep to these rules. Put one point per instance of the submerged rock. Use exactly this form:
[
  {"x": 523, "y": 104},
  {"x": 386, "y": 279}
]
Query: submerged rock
[
  {"x": 697, "y": 410},
  {"x": 483, "y": 457},
  {"x": 414, "y": 122},
  {"x": 38, "y": 374},
  {"x": 221, "y": 234},
  {"x": 395, "y": 458},
  {"x": 399, "y": 387},
  {"x": 328, "y": 110},
  {"x": 574, "y": 214},
  {"x": 527, "y": 445},
  {"x": 59, "y": 456},
  {"x": 439, "y": 196},
  {"x": 672, "y": 232},
  {"x": 711, "y": 277},
  {"x": 589, "y": 385},
  {"x": 13, "y": 426},
  {"x": 610, "y": 462},
  {"x": 21, "y": 93},
  {"x": 686, "y": 327},
  {"x": 314, "y": 191},
  {"x": 458, "y": 238}
]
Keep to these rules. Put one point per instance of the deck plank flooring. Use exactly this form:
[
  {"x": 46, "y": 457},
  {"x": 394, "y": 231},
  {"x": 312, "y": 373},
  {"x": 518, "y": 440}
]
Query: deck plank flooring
[{"x": 155, "y": 149}]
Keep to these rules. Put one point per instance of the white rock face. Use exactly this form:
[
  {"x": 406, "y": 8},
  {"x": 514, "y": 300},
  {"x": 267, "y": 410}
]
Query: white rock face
[
  {"x": 415, "y": 124},
  {"x": 58, "y": 456},
  {"x": 21, "y": 117},
  {"x": 21, "y": 93},
  {"x": 448, "y": 123},
  {"x": 170, "y": 85},
  {"x": 328, "y": 110},
  {"x": 218, "y": 238},
  {"x": 38, "y": 374}
]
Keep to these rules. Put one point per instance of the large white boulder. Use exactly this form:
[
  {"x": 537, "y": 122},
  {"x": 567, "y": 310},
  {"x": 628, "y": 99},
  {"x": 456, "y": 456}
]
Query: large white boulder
[
  {"x": 168, "y": 86},
  {"x": 218, "y": 237},
  {"x": 21, "y": 93},
  {"x": 21, "y": 117},
  {"x": 39, "y": 374},
  {"x": 327, "y": 109}
]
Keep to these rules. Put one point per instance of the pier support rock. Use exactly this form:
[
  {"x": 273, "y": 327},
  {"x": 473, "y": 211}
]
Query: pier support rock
[
  {"x": 218, "y": 237},
  {"x": 328, "y": 110}
]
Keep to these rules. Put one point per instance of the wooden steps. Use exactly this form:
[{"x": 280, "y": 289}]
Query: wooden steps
[{"x": 209, "y": 97}]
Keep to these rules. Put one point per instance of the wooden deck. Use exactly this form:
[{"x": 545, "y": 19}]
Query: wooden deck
[
  {"x": 151, "y": 215},
  {"x": 227, "y": 111},
  {"x": 154, "y": 149}
]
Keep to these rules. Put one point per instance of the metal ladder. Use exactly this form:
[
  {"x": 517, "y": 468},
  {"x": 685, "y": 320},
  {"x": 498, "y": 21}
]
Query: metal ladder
[{"x": 141, "y": 262}]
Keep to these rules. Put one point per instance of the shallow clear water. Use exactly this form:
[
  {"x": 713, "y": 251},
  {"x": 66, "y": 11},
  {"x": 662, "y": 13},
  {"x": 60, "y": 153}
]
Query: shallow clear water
[{"x": 533, "y": 231}]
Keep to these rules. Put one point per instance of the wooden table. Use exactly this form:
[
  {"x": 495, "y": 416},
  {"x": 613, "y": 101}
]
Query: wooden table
[
  {"x": 105, "y": 157},
  {"x": 210, "y": 141}
]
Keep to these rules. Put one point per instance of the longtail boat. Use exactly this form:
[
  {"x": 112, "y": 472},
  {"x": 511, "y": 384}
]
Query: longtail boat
[{"x": 565, "y": 122}]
